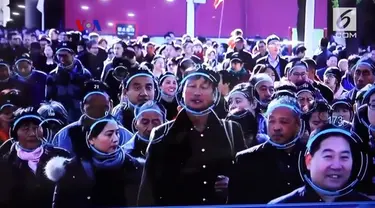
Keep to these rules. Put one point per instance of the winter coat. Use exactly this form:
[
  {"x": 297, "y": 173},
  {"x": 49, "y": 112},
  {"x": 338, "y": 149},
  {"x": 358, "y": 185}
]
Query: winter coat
[
  {"x": 21, "y": 186},
  {"x": 65, "y": 86},
  {"x": 80, "y": 184}
]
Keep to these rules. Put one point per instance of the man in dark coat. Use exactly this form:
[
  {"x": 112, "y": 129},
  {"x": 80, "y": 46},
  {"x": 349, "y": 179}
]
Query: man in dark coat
[
  {"x": 330, "y": 165},
  {"x": 190, "y": 159},
  {"x": 244, "y": 55},
  {"x": 65, "y": 83},
  {"x": 273, "y": 58},
  {"x": 269, "y": 170}
]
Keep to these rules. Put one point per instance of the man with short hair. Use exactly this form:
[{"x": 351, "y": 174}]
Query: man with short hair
[
  {"x": 269, "y": 170},
  {"x": 364, "y": 73},
  {"x": 331, "y": 62},
  {"x": 330, "y": 174},
  {"x": 243, "y": 54},
  {"x": 90, "y": 59},
  {"x": 273, "y": 58}
]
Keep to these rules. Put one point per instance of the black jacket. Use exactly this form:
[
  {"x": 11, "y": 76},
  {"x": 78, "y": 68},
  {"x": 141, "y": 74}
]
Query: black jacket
[
  {"x": 82, "y": 185},
  {"x": 282, "y": 64},
  {"x": 21, "y": 186},
  {"x": 306, "y": 194},
  {"x": 139, "y": 149},
  {"x": 263, "y": 173},
  {"x": 183, "y": 164}
]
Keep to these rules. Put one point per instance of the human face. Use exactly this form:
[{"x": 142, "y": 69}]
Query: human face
[
  {"x": 170, "y": 51},
  {"x": 169, "y": 86},
  {"x": 305, "y": 100},
  {"x": 104, "y": 44},
  {"x": 63, "y": 37},
  {"x": 236, "y": 65},
  {"x": 189, "y": 49},
  {"x": 262, "y": 48},
  {"x": 372, "y": 55},
  {"x": 141, "y": 89},
  {"x": 317, "y": 120},
  {"x": 159, "y": 65},
  {"x": 150, "y": 49},
  {"x": 274, "y": 47},
  {"x": 48, "y": 52},
  {"x": 265, "y": 90},
  {"x": 146, "y": 122},
  {"x": 118, "y": 50},
  {"x": 80, "y": 48},
  {"x": 172, "y": 67},
  {"x": 111, "y": 54},
  {"x": 330, "y": 167},
  {"x": 371, "y": 110},
  {"x": 26, "y": 40},
  {"x": 238, "y": 102},
  {"x": 4, "y": 73},
  {"x": 270, "y": 73},
  {"x": 97, "y": 106},
  {"x": 24, "y": 68},
  {"x": 108, "y": 139},
  {"x": 298, "y": 75},
  {"x": 198, "y": 93},
  {"x": 16, "y": 40},
  {"x": 332, "y": 62},
  {"x": 65, "y": 58},
  {"x": 363, "y": 76},
  {"x": 198, "y": 48},
  {"x": 330, "y": 81},
  {"x": 343, "y": 65},
  {"x": 6, "y": 114},
  {"x": 211, "y": 56},
  {"x": 342, "y": 111},
  {"x": 282, "y": 125},
  {"x": 239, "y": 45},
  {"x": 94, "y": 49},
  {"x": 28, "y": 134}
]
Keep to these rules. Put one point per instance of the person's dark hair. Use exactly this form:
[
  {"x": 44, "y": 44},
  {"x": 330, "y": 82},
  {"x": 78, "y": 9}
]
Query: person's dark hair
[
  {"x": 353, "y": 60},
  {"x": 11, "y": 34},
  {"x": 226, "y": 78},
  {"x": 59, "y": 111},
  {"x": 95, "y": 85},
  {"x": 90, "y": 43},
  {"x": 145, "y": 39},
  {"x": 102, "y": 40},
  {"x": 315, "y": 146},
  {"x": 168, "y": 34},
  {"x": 324, "y": 42},
  {"x": 311, "y": 64},
  {"x": 260, "y": 41}
]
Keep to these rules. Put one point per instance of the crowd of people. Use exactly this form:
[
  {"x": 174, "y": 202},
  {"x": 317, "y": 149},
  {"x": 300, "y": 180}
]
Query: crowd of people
[{"x": 88, "y": 123}]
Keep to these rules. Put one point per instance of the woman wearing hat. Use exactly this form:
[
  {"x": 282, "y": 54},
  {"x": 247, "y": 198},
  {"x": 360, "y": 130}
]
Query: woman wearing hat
[
  {"x": 307, "y": 95},
  {"x": 10, "y": 100},
  {"x": 27, "y": 184},
  {"x": 106, "y": 177},
  {"x": 331, "y": 168},
  {"x": 332, "y": 78},
  {"x": 150, "y": 115},
  {"x": 190, "y": 158},
  {"x": 168, "y": 87}
]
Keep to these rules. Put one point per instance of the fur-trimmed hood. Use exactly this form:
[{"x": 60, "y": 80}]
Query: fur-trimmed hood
[{"x": 55, "y": 168}]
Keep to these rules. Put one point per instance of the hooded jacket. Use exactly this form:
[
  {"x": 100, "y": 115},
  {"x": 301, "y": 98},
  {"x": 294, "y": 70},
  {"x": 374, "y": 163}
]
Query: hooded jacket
[{"x": 65, "y": 86}]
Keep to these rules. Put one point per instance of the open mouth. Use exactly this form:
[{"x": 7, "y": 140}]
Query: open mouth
[{"x": 196, "y": 101}]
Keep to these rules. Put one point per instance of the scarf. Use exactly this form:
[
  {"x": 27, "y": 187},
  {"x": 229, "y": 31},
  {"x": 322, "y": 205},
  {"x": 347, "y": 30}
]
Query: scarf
[
  {"x": 32, "y": 157},
  {"x": 103, "y": 160}
]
